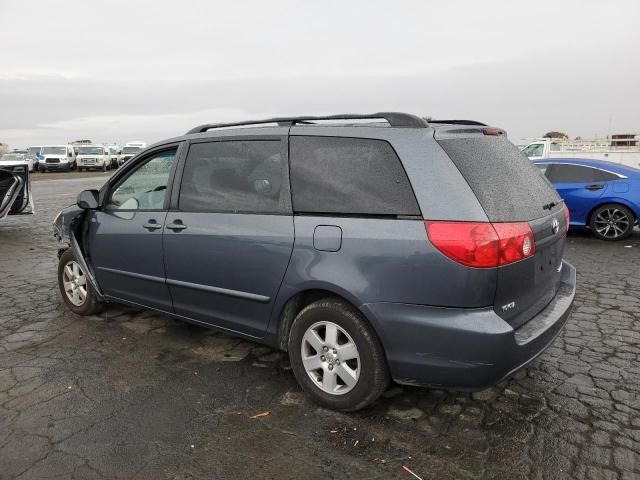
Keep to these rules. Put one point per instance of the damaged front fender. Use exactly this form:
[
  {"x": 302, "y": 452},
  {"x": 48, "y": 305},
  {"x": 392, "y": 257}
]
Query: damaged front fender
[{"x": 69, "y": 229}]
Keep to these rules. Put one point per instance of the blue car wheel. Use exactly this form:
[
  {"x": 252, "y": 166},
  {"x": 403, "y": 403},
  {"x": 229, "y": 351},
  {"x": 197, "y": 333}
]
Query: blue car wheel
[{"x": 612, "y": 222}]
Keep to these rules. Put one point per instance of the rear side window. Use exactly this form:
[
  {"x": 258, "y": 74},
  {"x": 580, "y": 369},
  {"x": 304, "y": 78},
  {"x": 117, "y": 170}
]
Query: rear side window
[
  {"x": 350, "y": 176},
  {"x": 561, "y": 173},
  {"x": 507, "y": 184},
  {"x": 606, "y": 176},
  {"x": 238, "y": 176}
]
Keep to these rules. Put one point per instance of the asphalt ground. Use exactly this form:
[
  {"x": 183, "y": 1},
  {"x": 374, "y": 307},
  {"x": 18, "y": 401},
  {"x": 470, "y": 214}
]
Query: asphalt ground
[{"x": 131, "y": 394}]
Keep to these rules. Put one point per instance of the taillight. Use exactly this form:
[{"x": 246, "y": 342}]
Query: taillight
[
  {"x": 482, "y": 244},
  {"x": 567, "y": 218}
]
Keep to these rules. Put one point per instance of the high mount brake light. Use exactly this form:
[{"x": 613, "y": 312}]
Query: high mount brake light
[
  {"x": 492, "y": 131},
  {"x": 482, "y": 244}
]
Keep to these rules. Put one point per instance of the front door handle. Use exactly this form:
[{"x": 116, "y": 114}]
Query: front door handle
[
  {"x": 152, "y": 225},
  {"x": 176, "y": 226},
  {"x": 595, "y": 186}
]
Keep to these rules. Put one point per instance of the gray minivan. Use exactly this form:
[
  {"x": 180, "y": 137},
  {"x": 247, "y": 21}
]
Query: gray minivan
[{"x": 369, "y": 247}]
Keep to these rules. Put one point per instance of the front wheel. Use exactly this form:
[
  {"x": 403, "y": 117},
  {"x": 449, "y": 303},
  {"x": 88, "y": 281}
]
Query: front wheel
[
  {"x": 612, "y": 222},
  {"x": 336, "y": 356},
  {"x": 75, "y": 287}
]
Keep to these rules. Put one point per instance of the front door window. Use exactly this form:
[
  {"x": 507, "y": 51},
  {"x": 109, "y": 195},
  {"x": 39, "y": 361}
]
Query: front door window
[{"x": 146, "y": 187}]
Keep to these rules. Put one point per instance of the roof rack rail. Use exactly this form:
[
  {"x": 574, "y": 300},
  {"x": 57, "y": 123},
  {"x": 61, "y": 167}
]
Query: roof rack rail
[
  {"x": 460, "y": 122},
  {"x": 395, "y": 119}
]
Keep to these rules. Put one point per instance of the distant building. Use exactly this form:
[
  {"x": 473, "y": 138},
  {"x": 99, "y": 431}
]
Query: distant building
[{"x": 625, "y": 140}]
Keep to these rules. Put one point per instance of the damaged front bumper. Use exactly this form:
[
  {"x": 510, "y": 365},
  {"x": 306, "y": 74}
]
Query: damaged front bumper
[{"x": 67, "y": 229}]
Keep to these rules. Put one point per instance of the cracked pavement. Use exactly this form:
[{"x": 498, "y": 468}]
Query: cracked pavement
[{"x": 131, "y": 394}]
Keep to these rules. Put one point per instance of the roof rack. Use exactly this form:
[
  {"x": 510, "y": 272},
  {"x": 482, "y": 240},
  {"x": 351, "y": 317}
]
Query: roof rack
[
  {"x": 460, "y": 122},
  {"x": 400, "y": 120}
]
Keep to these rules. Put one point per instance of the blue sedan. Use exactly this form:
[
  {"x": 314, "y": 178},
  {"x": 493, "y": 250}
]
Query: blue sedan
[{"x": 600, "y": 195}]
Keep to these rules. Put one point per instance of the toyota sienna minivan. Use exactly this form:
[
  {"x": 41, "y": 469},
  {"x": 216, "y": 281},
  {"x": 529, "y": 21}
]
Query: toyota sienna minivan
[{"x": 370, "y": 248}]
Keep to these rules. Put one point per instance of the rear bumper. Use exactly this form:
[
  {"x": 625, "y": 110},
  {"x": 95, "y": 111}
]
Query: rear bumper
[{"x": 469, "y": 349}]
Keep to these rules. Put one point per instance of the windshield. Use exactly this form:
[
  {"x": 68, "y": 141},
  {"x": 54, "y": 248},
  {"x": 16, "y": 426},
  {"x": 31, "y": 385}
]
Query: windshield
[
  {"x": 54, "y": 150},
  {"x": 12, "y": 157},
  {"x": 33, "y": 150},
  {"x": 131, "y": 149},
  {"x": 534, "y": 150},
  {"x": 90, "y": 151}
]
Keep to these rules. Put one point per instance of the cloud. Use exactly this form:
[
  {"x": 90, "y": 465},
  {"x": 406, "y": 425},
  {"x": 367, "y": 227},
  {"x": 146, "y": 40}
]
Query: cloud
[{"x": 568, "y": 95}]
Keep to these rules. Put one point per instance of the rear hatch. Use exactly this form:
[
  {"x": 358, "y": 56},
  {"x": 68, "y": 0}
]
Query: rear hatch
[
  {"x": 15, "y": 192},
  {"x": 511, "y": 189}
]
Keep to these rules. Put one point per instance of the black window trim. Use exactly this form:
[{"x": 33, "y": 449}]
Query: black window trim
[
  {"x": 355, "y": 215},
  {"x": 174, "y": 204},
  {"x": 122, "y": 175}
]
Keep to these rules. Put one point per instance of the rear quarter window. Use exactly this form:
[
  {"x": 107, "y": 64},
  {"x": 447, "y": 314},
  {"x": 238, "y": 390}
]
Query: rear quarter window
[
  {"x": 507, "y": 184},
  {"x": 349, "y": 176},
  {"x": 563, "y": 173}
]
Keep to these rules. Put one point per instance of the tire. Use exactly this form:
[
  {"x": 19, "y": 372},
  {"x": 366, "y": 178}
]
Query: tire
[
  {"x": 370, "y": 367},
  {"x": 612, "y": 222},
  {"x": 90, "y": 305}
]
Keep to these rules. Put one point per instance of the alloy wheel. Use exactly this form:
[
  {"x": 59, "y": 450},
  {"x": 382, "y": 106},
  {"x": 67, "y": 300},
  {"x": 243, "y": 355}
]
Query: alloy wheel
[
  {"x": 75, "y": 283},
  {"x": 330, "y": 358},
  {"x": 611, "y": 223}
]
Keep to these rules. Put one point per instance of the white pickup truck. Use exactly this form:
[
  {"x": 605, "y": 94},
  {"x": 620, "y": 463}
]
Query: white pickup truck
[{"x": 605, "y": 150}]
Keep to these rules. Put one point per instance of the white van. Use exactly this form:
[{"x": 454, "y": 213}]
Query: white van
[
  {"x": 131, "y": 149},
  {"x": 57, "y": 157},
  {"x": 93, "y": 156}
]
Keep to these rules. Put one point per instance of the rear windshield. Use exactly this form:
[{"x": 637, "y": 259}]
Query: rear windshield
[{"x": 507, "y": 184}]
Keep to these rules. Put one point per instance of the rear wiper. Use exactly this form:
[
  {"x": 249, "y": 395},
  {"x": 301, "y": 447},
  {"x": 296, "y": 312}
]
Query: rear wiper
[{"x": 549, "y": 206}]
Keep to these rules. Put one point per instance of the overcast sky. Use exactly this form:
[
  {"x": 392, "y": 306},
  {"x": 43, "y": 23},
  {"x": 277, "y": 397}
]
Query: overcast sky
[{"x": 147, "y": 70}]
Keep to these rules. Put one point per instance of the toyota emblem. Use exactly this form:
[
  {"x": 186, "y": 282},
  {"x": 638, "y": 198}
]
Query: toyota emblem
[{"x": 555, "y": 226}]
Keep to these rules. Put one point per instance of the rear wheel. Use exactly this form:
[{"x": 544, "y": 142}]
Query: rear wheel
[
  {"x": 612, "y": 222},
  {"x": 336, "y": 356},
  {"x": 75, "y": 288}
]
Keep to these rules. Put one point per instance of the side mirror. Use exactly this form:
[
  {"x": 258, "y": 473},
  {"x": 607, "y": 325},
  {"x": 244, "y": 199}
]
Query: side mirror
[
  {"x": 88, "y": 199},
  {"x": 70, "y": 154}
]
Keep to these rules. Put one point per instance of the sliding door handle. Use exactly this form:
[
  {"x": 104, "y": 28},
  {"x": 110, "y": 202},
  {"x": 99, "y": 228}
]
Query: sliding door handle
[
  {"x": 152, "y": 225},
  {"x": 176, "y": 226}
]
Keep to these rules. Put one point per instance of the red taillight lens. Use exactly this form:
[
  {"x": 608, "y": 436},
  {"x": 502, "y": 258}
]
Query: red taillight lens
[
  {"x": 567, "y": 218},
  {"x": 482, "y": 244},
  {"x": 516, "y": 241}
]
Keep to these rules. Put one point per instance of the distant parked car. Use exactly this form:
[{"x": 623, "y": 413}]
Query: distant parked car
[
  {"x": 602, "y": 196},
  {"x": 13, "y": 157},
  {"x": 17, "y": 156},
  {"x": 115, "y": 154},
  {"x": 57, "y": 157},
  {"x": 129, "y": 151},
  {"x": 93, "y": 157},
  {"x": 32, "y": 157}
]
